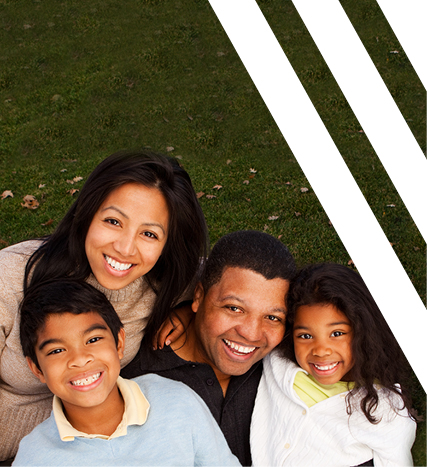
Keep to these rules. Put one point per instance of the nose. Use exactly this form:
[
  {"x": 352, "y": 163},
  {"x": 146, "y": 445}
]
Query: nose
[
  {"x": 251, "y": 329},
  {"x": 78, "y": 358},
  {"x": 125, "y": 244},
  {"x": 321, "y": 349}
]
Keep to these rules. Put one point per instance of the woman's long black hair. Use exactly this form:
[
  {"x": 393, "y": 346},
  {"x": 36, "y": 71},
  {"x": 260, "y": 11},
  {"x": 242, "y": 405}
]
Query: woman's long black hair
[
  {"x": 62, "y": 254},
  {"x": 378, "y": 358}
]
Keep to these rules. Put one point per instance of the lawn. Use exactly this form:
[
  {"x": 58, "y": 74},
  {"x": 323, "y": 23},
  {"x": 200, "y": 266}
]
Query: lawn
[{"x": 80, "y": 80}]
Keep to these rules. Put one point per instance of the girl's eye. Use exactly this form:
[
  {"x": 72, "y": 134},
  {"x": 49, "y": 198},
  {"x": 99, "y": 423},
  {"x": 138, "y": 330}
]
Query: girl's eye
[
  {"x": 55, "y": 351},
  {"x": 305, "y": 336},
  {"x": 337, "y": 333},
  {"x": 94, "y": 339}
]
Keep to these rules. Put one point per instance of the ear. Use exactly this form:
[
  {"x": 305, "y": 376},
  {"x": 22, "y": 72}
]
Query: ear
[
  {"x": 121, "y": 343},
  {"x": 33, "y": 367},
  {"x": 199, "y": 294}
]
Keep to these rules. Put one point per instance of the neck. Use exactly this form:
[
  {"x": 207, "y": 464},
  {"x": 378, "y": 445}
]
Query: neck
[
  {"x": 102, "y": 419},
  {"x": 189, "y": 348}
]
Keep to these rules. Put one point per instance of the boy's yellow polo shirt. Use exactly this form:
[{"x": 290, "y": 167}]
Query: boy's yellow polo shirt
[{"x": 136, "y": 412}]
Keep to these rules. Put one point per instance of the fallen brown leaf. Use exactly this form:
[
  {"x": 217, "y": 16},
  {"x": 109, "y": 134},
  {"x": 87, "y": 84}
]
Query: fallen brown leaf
[
  {"x": 170, "y": 148},
  {"x": 229, "y": 161},
  {"x": 251, "y": 176},
  {"x": 416, "y": 248},
  {"x": 30, "y": 202},
  {"x": 252, "y": 171},
  {"x": 77, "y": 179},
  {"x": 49, "y": 222},
  {"x": 210, "y": 196},
  {"x": 7, "y": 194},
  {"x": 199, "y": 194},
  {"x": 217, "y": 187},
  {"x": 42, "y": 185},
  {"x": 73, "y": 191},
  {"x": 304, "y": 189},
  {"x": 297, "y": 214},
  {"x": 245, "y": 182},
  {"x": 273, "y": 218}
]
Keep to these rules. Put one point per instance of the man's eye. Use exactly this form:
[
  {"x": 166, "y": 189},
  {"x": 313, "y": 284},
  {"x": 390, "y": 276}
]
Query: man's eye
[
  {"x": 234, "y": 308},
  {"x": 274, "y": 318}
]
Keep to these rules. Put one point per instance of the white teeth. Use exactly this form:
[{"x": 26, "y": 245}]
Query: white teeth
[
  {"x": 86, "y": 381},
  {"x": 116, "y": 265},
  {"x": 239, "y": 348},
  {"x": 325, "y": 367}
]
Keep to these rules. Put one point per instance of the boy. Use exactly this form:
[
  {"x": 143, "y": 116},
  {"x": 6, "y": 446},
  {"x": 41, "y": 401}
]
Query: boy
[{"x": 73, "y": 341}]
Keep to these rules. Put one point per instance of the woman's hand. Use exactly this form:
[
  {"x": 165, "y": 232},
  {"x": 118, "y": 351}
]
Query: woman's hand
[{"x": 174, "y": 326}]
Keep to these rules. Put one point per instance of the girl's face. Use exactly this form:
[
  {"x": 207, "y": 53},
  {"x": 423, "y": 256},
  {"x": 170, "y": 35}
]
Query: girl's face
[
  {"x": 322, "y": 341},
  {"x": 127, "y": 235}
]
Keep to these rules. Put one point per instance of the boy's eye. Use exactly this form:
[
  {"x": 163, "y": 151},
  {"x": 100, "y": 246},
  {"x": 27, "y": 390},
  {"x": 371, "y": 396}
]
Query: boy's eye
[
  {"x": 55, "y": 351},
  {"x": 94, "y": 339}
]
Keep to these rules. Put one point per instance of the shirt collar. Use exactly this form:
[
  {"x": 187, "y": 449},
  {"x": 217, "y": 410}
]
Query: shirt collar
[{"x": 136, "y": 412}]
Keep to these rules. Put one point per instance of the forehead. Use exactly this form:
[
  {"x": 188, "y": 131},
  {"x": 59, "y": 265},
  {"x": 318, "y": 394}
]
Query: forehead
[
  {"x": 247, "y": 285},
  {"x": 68, "y": 324},
  {"x": 319, "y": 314}
]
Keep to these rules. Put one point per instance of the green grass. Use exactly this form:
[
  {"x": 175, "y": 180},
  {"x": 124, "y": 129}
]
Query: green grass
[{"x": 80, "y": 80}]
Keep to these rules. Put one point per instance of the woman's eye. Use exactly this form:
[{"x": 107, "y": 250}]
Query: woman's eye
[
  {"x": 337, "y": 333},
  {"x": 150, "y": 235},
  {"x": 112, "y": 221}
]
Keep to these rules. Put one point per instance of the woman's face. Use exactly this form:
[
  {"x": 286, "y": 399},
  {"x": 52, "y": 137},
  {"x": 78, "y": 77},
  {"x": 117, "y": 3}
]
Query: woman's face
[{"x": 127, "y": 235}]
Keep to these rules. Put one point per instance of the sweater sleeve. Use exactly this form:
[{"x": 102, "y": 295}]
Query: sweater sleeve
[{"x": 391, "y": 439}]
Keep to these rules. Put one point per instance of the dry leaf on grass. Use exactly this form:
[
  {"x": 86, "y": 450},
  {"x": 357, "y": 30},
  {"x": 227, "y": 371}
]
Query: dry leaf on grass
[
  {"x": 200, "y": 194},
  {"x": 217, "y": 187},
  {"x": 42, "y": 185},
  {"x": 391, "y": 205},
  {"x": 49, "y": 222},
  {"x": 170, "y": 148},
  {"x": 72, "y": 191},
  {"x": 229, "y": 161},
  {"x": 7, "y": 194},
  {"x": 297, "y": 214},
  {"x": 30, "y": 202},
  {"x": 252, "y": 171},
  {"x": 210, "y": 196},
  {"x": 63, "y": 170},
  {"x": 273, "y": 218},
  {"x": 304, "y": 189},
  {"x": 77, "y": 179},
  {"x": 350, "y": 263},
  {"x": 288, "y": 183},
  {"x": 245, "y": 182}
]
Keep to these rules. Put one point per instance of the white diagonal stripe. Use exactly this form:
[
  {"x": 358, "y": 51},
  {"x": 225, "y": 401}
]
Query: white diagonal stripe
[
  {"x": 371, "y": 102},
  {"x": 326, "y": 171},
  {"x": 408, "y": 21}
]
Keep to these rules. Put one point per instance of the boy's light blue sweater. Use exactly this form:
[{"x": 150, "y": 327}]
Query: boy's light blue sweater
[{"x": 179, "y": 431}]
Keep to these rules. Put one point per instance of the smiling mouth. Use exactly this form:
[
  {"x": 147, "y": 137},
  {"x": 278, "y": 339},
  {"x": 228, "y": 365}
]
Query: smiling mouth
[
  {"x": 239, "y": 349},
  {"x": 86, "y": 381},
  {"x": 116, "y": 265},
  {"x": 325, "y": 367}
]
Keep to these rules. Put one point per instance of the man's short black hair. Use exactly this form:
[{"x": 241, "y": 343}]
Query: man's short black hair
[
  {"x": 57, "y": 297},
  {"x": 248, "y": 249}
]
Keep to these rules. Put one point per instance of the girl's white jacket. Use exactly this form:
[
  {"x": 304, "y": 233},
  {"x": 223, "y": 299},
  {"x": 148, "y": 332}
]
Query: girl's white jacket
[{"x": 285, "y": 432}]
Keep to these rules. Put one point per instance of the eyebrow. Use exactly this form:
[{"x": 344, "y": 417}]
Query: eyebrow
[
  {"x": 148, "y": 224},
  {"x": 94, "y": 327},
  {"x": 329, "y": 324},
  {"x": 234, "y": 297}
]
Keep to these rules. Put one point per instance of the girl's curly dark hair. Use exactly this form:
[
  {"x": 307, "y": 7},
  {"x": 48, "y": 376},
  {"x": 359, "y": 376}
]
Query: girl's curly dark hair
[{"x": 378, "y": 358}]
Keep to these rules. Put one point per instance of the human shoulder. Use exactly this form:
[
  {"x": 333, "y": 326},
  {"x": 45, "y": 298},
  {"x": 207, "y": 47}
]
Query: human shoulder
[
  {"x": 20, "y": 252},
  {"x": 46, "y": 437}
]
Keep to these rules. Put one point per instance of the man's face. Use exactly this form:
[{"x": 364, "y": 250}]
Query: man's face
[{"x": 239, "y": 321}]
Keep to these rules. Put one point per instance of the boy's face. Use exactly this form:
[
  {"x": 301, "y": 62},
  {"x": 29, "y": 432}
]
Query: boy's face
[{"x": 78, "y": 358}]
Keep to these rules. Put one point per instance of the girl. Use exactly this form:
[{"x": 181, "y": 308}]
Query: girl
[
  {"x": 333, "y": 394},
  {"x": 136, "y": 233}
]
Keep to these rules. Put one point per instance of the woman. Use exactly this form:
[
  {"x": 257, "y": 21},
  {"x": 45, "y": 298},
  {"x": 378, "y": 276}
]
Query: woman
[{"x": 137, "y": 233}]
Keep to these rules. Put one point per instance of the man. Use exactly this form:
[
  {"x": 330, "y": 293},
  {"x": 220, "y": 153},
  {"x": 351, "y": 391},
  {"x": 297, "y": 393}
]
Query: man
[{"x": 239, "y": 307}]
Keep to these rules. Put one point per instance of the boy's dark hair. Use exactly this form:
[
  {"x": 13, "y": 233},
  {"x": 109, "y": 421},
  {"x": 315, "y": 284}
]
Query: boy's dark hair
[
  {"x": 63, "y": 253},
  {"x": 378, "y": 359},
  {"x": 57, "y": 297},
  {"x": 248, "y": 249}
]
